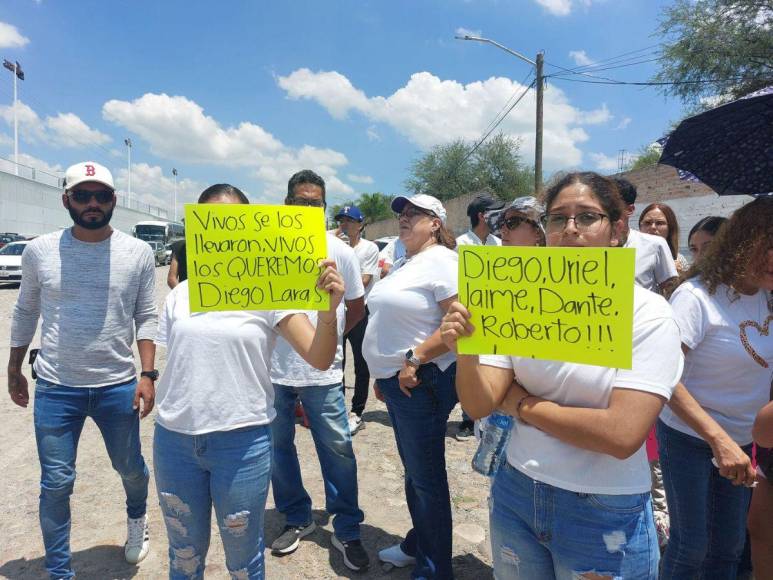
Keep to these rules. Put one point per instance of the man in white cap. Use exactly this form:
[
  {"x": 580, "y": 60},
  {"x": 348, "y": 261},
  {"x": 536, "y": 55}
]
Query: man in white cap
[{"x": 93, "y": 288}]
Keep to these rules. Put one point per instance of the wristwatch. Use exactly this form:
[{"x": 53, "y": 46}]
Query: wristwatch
[
  {"x": 412, "y": 359},
  {"x": 152, "y": 375}
]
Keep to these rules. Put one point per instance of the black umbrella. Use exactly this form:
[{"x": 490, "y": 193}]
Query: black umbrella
[{"x": 729, "y": 148}]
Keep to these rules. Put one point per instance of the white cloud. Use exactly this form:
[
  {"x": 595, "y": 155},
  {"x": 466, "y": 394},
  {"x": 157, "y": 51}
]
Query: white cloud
[
  {"x": 10, "y": 37},
  {"x": 603, "y": 162},
  {"x": 29, "y": 161},
  {"x": 580, "y": 58},
  {"x": 372, "y": 134},
  {"x": 623, "y": 124},
  {"x": 150, "y": 185},
  {"x": 430, "y": 111},
  {"x": 177, "y": 128},
  {"x": 64, "y": 130},
  {"x": 557, "y": 7},
  {"x": 462, "y": 31},
  {"x": 366, "y": 179},
  {"x": 563, "y": 7}
]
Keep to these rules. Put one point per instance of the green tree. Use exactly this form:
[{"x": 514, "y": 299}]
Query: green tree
[
  {"x": 374, "y": 206},
  {"x": 649, "y": 156},
  {"x": 454, "y": 169},
  {"x": 729, "y": 42}
]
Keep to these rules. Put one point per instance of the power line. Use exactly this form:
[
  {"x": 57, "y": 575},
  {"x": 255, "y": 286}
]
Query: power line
[{"x": 658, "y": 84}]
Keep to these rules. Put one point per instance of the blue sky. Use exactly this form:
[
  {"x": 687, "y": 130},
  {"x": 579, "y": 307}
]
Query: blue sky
[{"x": 249, "y": 92}]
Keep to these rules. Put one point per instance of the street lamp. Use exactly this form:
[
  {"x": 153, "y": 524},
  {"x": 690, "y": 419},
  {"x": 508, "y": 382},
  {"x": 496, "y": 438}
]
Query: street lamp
[
  {"x": 128, "y": 143},
  {"x": 174, "y": 172},
  {"x": 538, "y": 64},
  {"x": 15, "y": 68}
]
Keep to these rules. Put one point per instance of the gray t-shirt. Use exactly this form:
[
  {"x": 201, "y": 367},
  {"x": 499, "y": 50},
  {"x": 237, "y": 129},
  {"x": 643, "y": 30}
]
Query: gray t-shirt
[{"x": 90, "y": 297}]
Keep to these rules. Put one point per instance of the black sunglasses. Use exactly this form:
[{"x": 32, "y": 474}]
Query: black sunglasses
[
  {"x": 84, "y": 196},
  {"x": 514, "y": 222}
]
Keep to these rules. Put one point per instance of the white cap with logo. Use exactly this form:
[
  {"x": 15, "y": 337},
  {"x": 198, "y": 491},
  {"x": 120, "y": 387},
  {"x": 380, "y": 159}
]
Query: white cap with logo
[
  {"x": 423, "y": 201},
  {"x": 87, "y": 171}
]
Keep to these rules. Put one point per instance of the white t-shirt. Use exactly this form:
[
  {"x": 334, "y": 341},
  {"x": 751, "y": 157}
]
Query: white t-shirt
[
  {"x": 287, "y": 366},
  {"x": 392, "y": 252},
  {"x": 470, "y": 238},
  {"x": 367, "y": 255},
  {"x": 654, "y": 264},
  {"x": 404, "y": 309},
  {"x": 657, "y": 366},
  {"x": 719, "y": 371},
  {"x": 216, "y": 376}
]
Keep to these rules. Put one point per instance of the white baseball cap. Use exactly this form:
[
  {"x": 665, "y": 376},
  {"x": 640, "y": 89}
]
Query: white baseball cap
[
  {"x": 423, "y": 201},
  {"x": 87, "y": 171}
]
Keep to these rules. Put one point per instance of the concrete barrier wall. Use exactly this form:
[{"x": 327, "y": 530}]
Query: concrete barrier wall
[{"x": 33, "y": 208}]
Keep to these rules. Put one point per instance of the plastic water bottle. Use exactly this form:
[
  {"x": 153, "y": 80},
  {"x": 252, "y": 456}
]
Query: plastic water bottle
[{"x": 495, "y": 434}]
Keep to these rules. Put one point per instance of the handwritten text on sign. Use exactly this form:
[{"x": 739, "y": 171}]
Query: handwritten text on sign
[
  {"x": 568, "y": 304},
  {"x": 254, "y": 257}
]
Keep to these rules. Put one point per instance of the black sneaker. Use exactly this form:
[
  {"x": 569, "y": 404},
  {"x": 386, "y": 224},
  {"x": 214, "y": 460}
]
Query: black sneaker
[
  {"x": 355, "y": 556},
  {"x": 290, "y": 538},
  {"x": 466, "y": 430}
]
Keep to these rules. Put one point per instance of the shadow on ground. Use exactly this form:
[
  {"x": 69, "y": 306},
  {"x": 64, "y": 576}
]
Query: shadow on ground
[{"x": 94, "y": 562}]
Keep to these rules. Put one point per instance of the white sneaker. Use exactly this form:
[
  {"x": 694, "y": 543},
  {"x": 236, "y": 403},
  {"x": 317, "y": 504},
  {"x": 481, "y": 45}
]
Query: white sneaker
[
  {"x": 355, "y": 423},
  {"x": 394, "y": 555},
  {"x": 137, "y": 539}
]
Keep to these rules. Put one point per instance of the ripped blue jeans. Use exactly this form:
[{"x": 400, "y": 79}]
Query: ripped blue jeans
[
  {"x": 228, "y": 469},
  {"x": 542, "y": 532}
]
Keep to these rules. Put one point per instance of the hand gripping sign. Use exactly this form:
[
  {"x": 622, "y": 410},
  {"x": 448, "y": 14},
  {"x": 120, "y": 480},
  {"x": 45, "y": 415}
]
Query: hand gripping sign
[
  {"x": 254, "y": 257},
  {"x": 567, "y": 304}
]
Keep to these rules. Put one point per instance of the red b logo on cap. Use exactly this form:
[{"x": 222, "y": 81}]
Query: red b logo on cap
[{"x": 90, "y": 171}]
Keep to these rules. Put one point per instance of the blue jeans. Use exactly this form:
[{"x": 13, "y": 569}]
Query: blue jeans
[
  {"x": 419, "y": 422},
  {"x": 230, "y": 469},
  {"x": 326, "y": 410},
  {"x": 708, "y": 513},
  {"x": 60, "y": 413},
  {"x": 542, "y": 532}
]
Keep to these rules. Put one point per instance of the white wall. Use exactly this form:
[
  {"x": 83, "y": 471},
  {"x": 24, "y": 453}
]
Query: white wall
[{"x": 29, "y": 207}]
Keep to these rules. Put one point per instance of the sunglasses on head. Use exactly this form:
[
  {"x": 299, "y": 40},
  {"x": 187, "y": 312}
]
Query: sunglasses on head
[{"x": 84, "y": 196}]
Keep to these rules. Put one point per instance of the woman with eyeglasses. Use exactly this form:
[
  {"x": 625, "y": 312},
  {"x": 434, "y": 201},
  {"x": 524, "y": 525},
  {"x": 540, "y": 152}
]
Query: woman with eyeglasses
[
  {"x": 658, "y": 219},
  {"x": 573, "y": 497},
  {"x": 415, "y": 377},
  {"x": 518, "y": 223},
  {"x": 212, "y": 443}
]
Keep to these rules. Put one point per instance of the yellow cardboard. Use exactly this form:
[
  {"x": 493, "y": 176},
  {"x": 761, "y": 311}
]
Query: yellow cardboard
[
  {"x": 565, "y": 304},
  {"x": 254, "y": 257}
]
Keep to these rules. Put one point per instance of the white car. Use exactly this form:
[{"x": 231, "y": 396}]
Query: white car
[{"x": 10, "y": 261}]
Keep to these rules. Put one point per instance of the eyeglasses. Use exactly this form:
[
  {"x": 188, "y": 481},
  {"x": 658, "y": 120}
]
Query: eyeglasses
[
  {"x": 557, "y": 222},
  {"x": 512, "y": 223},
  {"x": 84, "y": 196},
  {"x": 655, "y": 223},
  {"x": 413, "y": 211},
  {"x": 303, "y": 202}
]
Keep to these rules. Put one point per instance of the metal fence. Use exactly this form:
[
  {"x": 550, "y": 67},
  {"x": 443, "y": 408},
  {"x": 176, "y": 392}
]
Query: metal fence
[{"x": 57, "y": 180}]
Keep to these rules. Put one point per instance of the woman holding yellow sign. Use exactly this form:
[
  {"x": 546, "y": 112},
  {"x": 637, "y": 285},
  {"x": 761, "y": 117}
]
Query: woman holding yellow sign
[
  {"x": 573, "y": 495},
  {"x": 212, "y": 444}
]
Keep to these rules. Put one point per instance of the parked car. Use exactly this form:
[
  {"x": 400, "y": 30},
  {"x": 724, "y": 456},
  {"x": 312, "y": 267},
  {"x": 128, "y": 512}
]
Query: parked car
[
  {"x": 8, "y": 237},
  {"x": 168, "y": 254},
  {"x": 10, "y": 261},
  {"x": 159, "y": 253}
]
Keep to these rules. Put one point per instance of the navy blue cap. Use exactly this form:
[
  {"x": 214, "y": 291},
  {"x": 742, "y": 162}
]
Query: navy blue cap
[{"x": 350, "y": 211}]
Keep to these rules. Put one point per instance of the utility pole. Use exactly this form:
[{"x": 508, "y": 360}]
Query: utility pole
[
  {"x": 128, "y": 143},
  {"x": 17, "y": 74},
  {"x": 540, "y": 86},
  {"x": 174, "y": 172}
]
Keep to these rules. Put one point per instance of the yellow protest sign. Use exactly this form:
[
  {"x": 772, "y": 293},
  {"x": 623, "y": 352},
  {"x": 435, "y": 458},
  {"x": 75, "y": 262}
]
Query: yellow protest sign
[
  {"x": 254, "y": 257},
  {"x": 567, "y": 304}
]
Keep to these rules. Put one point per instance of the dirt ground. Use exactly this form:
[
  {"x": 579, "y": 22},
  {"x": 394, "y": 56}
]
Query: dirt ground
[{"x": 98, "y": 513}]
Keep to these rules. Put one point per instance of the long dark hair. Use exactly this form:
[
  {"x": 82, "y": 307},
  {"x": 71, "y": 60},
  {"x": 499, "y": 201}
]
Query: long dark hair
[{"x": 673, "y": 225}]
